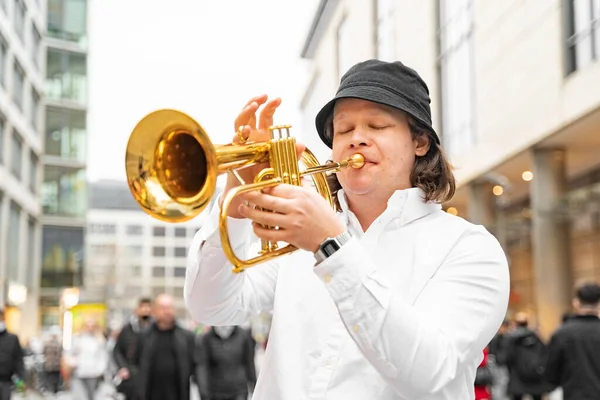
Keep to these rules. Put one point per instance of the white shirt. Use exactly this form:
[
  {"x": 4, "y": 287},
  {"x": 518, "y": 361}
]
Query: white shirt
[{"x": 402, "y": 311}]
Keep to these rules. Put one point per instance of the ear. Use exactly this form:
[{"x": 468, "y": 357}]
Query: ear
[
  {"x": 576, "y": 304},
  {"x": 422, "y": 144}
]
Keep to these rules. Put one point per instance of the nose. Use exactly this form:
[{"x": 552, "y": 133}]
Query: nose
[{"x": 359, "y": 139}]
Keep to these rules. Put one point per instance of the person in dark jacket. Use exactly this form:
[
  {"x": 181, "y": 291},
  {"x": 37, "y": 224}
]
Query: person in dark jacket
[
  {"x": 164, "y": 356},
  {"x": 11, "y": 360},
  {"x": 226, "y": 368},
  {"x": 123, "y": 351},
  {"x": 525, "y": 356},
  {"x": 574, "y": 350}
]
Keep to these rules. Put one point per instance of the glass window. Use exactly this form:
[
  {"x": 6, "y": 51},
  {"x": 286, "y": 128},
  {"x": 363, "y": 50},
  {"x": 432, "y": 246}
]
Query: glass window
[
  {"x": 67, "y": 20},
  {"x": 158, "y": 231},
  {"x": 179, "y": 272},
  {"x": 386, "y": 40},
  {"x": 158, "y": 251},
  {"x": 134, "y": 230},
  {"x": 66, "y": 133},
  {"x": 457, "y": 75},
  {"x": 36, "y": 40},
  {"x": 583, "y": 43},
  {"x": 64, "y": 191},
  {"x": 33, "y": 172},
  {"x": 62, "y": 255},
  {"x": 19, "y": 19},
  {"x": 12, "y": 241},
  {"x": 18, "y": 85},
  {"x": 134, "y": 250},
  {"x": 16, "y": 154},
  {"x": 103, "y": 229},
  {"x": 158, "y": 272},
  {"x": 180, "y": 232},
  {"x": 180, "y": 252},
  {"x": 30, "y": 279},
  {"x": 2, "y": 60},
  {"x": 66, "y": 76},
  {"x": 34, "y": 111}
]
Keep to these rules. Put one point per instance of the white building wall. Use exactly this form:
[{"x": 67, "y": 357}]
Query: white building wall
[
  {"x": 26, "y": 121},
  {"x": 120, "y": 264}
]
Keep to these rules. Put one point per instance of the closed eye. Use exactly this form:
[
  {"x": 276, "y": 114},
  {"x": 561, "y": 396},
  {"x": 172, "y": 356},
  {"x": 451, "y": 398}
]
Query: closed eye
[{"x": 380, "y": 127}]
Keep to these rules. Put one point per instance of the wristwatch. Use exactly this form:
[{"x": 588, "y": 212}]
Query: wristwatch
[{"x": 331, "y": 245}]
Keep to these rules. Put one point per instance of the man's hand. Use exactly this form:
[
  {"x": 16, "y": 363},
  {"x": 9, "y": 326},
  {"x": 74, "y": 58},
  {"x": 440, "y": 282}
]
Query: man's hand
[
  {"x": 304, "y": 218},
  {"x": 123, "y": 373}
]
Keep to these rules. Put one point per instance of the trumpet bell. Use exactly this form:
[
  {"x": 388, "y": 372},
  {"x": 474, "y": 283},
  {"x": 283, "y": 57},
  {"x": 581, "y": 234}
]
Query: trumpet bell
[{"x": 171, "y": 166}]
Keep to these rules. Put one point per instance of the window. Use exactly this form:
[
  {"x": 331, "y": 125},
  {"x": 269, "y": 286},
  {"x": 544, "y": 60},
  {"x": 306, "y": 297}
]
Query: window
[
  {"x": 135, "y": 250},
  {"x": 134, "y": 230},
  {"x": 36, "y": 40},
  {"x": 158, "y": 251},
  {"x": 66, "y": 133},
  {"x": 136, "y": 271},
  {"x": 62, "y": 256},
  {"x": 67, "y": 20},
  {"x": 158, "y": 272},
  {"x": 33, "y": 172},
  {"x": 64, "y": 191},
  {"x": 31, "y": 270},
  {"x": 19, "y": 21},
  {"x": 3, "y": 59},
  {"x": 158, "y": 231},
  {"x": 18, "y": 85},
  {"x": 12, "y": 241},
  {"x": 66, "y": 76},
  {"x": 16, "y": 154},
  {"x": 180, "y": 252},
  {"x": 583, "y": 30},
  {"x": 180, "y": 232},
  {"x": 386, "y": 40},
  {"x": 34, "y": 116},
  {"x": 457, "y": 75},
  {"x": 104, "y": 229},
  {"x": 179, "y": 272}
]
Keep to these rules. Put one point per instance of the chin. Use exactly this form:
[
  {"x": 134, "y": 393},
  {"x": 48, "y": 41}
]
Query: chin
[{"x": 359, "y": 186}]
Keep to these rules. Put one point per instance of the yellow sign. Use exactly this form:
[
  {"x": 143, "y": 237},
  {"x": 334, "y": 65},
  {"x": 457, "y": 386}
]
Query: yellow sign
[{"x": 92, "y": 311}]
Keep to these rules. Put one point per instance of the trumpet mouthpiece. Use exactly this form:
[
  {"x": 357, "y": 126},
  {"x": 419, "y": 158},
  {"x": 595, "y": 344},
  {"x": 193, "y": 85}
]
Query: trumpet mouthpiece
[{"x": 357, "y": 161}]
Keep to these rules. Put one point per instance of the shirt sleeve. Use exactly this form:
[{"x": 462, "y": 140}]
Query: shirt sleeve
[
  {"x": 419, "y": 348},
  {"x": 215, "y": 295},
  {"x": 554, "y": 362}
]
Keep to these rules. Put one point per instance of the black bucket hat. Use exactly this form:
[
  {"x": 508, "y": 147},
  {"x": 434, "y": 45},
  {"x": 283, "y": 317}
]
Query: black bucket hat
[{"x": 389, "y": 83}]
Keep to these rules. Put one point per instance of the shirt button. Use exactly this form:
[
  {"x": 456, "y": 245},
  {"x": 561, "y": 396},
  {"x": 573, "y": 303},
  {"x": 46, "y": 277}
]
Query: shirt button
[
  {"x": 327, "y": 278},
  {"x": 356, "y": 328}
]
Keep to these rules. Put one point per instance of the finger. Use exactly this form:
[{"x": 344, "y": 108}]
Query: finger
[
  {"x": 247, "y": 116},
  {"x": 300, "y": 147},
  {"x": 270, "y": 202},
  {"x": 272, "y": 235},
  {"x": 285, "y": 191},
  {"x": 263, "y": 217},
  {"x": 243, "y": 135},
  {"x": 266, "y": 115}
]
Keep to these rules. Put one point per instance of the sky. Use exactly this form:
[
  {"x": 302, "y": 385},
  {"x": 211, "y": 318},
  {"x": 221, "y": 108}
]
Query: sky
[{"x": 205, "y": 58}]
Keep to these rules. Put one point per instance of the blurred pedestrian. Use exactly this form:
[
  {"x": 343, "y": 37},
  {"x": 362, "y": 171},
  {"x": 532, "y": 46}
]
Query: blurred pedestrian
[
  {"x": 52, "y": 358},
  {"x": 11, "y": 361}
]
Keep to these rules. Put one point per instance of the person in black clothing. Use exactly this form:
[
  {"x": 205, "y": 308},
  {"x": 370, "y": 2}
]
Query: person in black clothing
[
  {"x": 525, "y": 356},
  {"x": 125, "y": 346},
  {"x": 574, "y": 350},
  {"x": 164, "y": 356},
  {"x": 226, "y": 369},
  {"x": 11, "y": 360}
]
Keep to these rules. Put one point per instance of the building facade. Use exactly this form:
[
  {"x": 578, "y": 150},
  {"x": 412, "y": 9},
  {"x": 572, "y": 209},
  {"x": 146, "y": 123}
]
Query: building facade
[
  {"x": 64, "y": 195},
  {"x": 130, "y": 254},
  {"x": 22, "y": 72},
  {"x": 514, "y": 97}
]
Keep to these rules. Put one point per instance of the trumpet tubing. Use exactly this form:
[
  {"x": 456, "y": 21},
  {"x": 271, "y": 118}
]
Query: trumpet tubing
[{"x": 172, "y": 169}]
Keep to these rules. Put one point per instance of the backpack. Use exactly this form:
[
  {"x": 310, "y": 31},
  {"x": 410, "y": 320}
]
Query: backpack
[{"x": 530, "y": 354}]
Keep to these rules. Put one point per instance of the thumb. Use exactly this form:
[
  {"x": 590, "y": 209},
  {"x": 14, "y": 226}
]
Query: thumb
[{"x": 300, "y": 147}]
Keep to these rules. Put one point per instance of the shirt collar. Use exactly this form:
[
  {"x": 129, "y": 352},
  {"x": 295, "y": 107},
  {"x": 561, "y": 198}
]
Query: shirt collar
[{"x": 404, "y": 206}]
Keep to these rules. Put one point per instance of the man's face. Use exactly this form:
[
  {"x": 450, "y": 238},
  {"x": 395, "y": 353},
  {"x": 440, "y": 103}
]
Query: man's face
[
  {"x": 382, "y": 135},
  {"x": 164, "y": 311},
  {"x": 144, "y": 310}
]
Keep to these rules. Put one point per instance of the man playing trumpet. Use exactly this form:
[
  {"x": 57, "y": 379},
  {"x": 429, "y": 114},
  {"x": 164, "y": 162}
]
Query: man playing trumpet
[{"x": 389, "y": 296}]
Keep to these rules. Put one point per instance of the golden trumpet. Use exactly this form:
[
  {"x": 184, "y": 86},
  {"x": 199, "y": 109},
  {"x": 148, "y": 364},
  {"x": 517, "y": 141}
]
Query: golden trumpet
[{"x": 172, "y": 169}]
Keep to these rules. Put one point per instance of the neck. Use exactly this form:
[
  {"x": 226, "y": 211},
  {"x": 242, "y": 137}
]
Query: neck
[
  {"x": 588, "y": 311},
  {"x": 163, "y": 326},
  {"x": 366, "y": 208}
]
